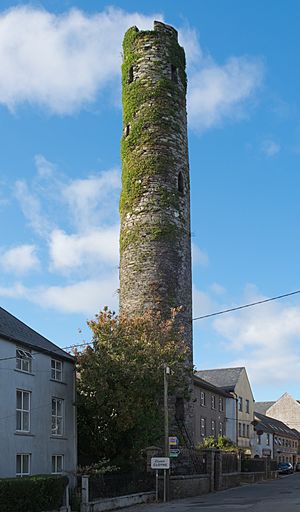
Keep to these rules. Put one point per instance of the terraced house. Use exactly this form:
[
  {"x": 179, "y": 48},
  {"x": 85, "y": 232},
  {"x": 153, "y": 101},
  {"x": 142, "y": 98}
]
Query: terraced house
[{"x": 37, "y": 403}]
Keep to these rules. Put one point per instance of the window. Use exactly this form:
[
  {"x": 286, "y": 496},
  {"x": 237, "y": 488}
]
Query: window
[
  {"x": 130, "y": 75},
  {"x": 57, "y": 463},
  {"x": 56, "y": 369},
  {"x": 240, "y": 403},
  {"x": 23, "y": 411},
  {"x": 174, "y": 76},
  {"x": 213, "y": 427},
  {"x": 23, "y": 464},
  {"x": 221, "y": 428},
  {"x": 221, "y": 404},
  {"x": 202, "y": 398},
  {"x": 247, "y": 430},
  {"x": 247, "y": 406},
  {"x": 127, "y": 130},
  {"x": 244, "y": 430},
  {"x": 213, "y": 401},
  {"x": 203, "y": 427},
  {"x": 57, "y": 427},
  {"x": 259, "y": 439},
  {"x": 268, "y": 439},
  {"x": 180, "y": 183},
  {"x": 240, "y": 430},
  {"x": 23, "y": 360}
]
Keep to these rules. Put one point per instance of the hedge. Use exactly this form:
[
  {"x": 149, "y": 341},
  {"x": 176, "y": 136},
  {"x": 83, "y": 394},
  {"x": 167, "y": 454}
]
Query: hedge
[{"x": 32, "y": 494}]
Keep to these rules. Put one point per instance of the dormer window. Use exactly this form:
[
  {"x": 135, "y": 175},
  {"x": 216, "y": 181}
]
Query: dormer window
[
  {"x": 23, "y": 360},
  {"x": 56, "y": 370}
]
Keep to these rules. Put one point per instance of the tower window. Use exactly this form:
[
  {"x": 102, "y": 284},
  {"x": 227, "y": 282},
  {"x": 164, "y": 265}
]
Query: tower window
[
  {"x": 180, "y": 183},
  {"x": 127, "y": 130},
  {"x": 130, "y": 75},
  {"x": 174, "y": 76}
]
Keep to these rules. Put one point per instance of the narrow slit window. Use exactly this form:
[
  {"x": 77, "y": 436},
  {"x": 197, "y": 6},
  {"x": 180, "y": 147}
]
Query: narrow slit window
[
  {"x": 174, "y": 76},
  {"x": 130, "y": 75},
  {"x": 127, "y": 130},
  {"x": 180, "y": 183}
]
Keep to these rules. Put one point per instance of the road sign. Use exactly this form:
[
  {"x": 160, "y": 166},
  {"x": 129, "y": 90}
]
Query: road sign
[
  {"x": 174, "y": 452},
  {"x": 160, "y": 463},
  {"x": 173, "y": 441}
]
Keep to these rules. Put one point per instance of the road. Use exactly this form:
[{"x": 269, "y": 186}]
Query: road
[{"x": 278, "y": 495}]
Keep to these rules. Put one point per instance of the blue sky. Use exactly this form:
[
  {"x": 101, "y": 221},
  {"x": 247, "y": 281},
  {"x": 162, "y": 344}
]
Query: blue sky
[{"x": 60, "y": 171}]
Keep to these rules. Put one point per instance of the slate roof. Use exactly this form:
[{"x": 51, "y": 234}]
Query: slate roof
[
  {"x": 268, "y": 424},
  {"x": 262, "y": 407},
  {"x": 225, "y": 378},
  {"x": 210, "y": 387},
  {"x": 14, "y": 330}
]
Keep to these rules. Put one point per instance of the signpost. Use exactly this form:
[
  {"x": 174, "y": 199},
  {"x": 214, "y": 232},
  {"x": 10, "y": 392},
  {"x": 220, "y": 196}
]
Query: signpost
[
  {"x": 159, "y": 463},
  {"x": 174, "y": 452}
]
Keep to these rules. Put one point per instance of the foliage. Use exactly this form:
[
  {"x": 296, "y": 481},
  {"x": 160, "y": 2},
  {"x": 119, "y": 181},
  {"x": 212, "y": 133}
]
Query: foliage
[
  {"x": 32, "y": 494},
  {"x": 221, "y": 443},
  {"x": 120, "y": 385},
  {"x": 101, "y": 468}
]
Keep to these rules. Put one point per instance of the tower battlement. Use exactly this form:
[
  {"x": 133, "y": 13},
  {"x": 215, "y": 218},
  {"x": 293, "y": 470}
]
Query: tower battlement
[{"x": 155, "y": 243}]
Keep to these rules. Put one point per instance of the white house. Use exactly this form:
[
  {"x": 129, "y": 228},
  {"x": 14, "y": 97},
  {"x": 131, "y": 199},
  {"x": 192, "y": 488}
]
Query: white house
[{"x": 37, "y": 403}]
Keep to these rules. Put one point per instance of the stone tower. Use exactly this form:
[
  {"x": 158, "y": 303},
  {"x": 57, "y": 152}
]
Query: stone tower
[{"x": 155, "y": 240}]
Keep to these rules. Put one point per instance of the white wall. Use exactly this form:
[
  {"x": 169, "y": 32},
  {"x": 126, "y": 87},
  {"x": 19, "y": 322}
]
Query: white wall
[{"x": 39, "y": 442}]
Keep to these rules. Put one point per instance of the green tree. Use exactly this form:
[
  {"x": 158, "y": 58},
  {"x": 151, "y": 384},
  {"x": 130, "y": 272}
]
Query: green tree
[{"x": 120, "y": 385}]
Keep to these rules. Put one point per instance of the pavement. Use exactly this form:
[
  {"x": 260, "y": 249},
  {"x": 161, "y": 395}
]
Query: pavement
[{"x": 281, "y": 495}]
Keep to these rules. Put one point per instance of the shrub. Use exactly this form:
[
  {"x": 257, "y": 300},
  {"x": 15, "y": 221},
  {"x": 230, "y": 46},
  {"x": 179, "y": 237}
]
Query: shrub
[{"x": 32, "y": 494}]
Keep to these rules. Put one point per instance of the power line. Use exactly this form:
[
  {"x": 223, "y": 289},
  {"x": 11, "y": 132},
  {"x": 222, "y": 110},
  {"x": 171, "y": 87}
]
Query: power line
[{"x": 249, "y": 305}]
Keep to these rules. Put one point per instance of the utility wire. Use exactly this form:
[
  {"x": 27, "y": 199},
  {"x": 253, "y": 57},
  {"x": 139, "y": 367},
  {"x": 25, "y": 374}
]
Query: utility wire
[
  {"x": 246, "y": 305},
  {"x": 216, "y": 313}
]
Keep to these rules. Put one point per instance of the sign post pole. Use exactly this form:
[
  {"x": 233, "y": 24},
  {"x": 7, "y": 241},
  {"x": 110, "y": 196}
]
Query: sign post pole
[
  {"x": 156, "y": 486},
  {"x": 166, "y": 415}
]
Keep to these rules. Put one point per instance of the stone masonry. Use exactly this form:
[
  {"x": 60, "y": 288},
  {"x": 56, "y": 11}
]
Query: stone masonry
[{"x": 155, "y": 239}]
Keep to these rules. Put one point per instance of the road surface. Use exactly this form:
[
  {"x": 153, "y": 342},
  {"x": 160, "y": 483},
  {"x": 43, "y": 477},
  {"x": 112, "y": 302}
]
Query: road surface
[{"x": 281, "y": 495}]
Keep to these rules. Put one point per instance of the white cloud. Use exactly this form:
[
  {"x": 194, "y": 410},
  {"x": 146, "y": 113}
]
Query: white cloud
[
  {"x": 93, "y": 200},
  {"x": 17, "y": 291},
  {"x": 270, "y": 148},
  {"x": 217, "y": 289},
  {"x": 63, "y": 61},
  {"x": 60, "y": 61},
  {"x": 217, "y": 92},
  {"x": 69, "y": 252},
  {"x": 264, "y": 338},
  {"x": 32, "y": 209},
  {"x": 199, "y": 256},
  {"x": 202, "y": 303},
  {"x": 20, "y": 259}
]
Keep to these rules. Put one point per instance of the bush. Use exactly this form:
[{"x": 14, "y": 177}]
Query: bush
[{"x": 32, "y": 494}]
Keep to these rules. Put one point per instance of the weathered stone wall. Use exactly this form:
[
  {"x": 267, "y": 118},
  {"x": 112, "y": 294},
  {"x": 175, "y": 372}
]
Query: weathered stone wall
[{"x": 155, "y": 245}]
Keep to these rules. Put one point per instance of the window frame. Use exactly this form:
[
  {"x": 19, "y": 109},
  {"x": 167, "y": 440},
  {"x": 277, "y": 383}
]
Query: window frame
[
  {"x": 55, "y": 371},
  {"x": 23, "y": 412},
  {"x": 203, "y": 427},
  {"x": 240, "y": 404},
  {"x": 202, "y": 398},
  {"x": 23, "y": 356},
  {"x": 22, "y": 456},
  {"x": 56, "y": 418},
  {"x": 247, "y": 403},
  {"x": 221, "y": 404},
  {"x": 213, "y": 402},
  {"x": 54, "y": 458}
]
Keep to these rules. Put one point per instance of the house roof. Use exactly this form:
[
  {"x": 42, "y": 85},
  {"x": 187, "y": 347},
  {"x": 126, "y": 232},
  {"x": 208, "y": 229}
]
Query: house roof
[
  {"x": 210, "y": 387},
  {"x": 225, "y": 378},
  {"x": 12, "y": 329},
  {"x": 262, "y": 407},
  {"x": 268, "y": 424}
]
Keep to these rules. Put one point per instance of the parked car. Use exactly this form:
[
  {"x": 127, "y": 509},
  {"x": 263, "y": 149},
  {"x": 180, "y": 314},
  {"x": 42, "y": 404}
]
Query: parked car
[
  {"x": 297, "y": 468},
  {"x": 285, "y": 468}
]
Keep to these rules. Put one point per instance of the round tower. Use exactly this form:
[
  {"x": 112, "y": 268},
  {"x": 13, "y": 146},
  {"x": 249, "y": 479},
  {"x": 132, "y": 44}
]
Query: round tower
[{"x": 155, "y": 239}]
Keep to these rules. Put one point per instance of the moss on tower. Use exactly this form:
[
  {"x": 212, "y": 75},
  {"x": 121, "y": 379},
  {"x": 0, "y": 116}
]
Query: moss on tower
[{"x": 155, "y": 247}]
